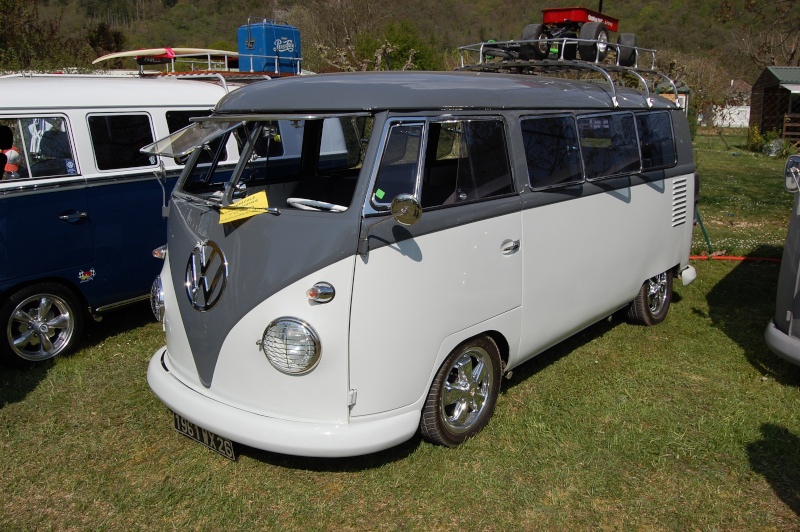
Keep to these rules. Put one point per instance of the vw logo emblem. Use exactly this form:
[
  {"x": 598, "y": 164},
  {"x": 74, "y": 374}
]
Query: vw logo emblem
[{"x": 206, "y": 275}]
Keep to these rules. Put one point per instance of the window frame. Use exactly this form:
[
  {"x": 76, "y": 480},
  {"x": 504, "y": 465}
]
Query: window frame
[
  {"x": 372, "y": 207},
  {"x": 25, "y": 152},
  {"x": 672, "y": 137},
  {"x": 143, "y": 168},
  {"x": 574, "y": 119},
  {"x": 578, "y": 118}
]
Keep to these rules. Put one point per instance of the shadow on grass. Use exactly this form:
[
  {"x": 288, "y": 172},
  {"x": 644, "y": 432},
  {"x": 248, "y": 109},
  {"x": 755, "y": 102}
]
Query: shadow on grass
[
  {"x": 116, "y": 322},
  {"x": 350, "y": 464},
  {"x": 557, "y": 352},
  {"x": 741, "y": 305},
  {"x": 776, "y": 456},
  {"x": 17, "y": 382}
]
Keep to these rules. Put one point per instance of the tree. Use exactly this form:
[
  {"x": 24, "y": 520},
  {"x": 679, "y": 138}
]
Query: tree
[
  {"x": 30, "y": 43},
  {"x": 767, "y": 32}
]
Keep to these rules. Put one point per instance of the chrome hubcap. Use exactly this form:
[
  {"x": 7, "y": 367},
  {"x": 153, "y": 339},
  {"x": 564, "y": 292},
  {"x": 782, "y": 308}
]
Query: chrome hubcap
[
  {"x": 467, "y": 389},
  {"x": 657, "y": 292},
  {"x": 40, "y": 327}
]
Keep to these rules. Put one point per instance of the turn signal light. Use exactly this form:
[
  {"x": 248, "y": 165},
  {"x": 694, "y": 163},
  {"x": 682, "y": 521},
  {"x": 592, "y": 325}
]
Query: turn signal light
[{"x": 321, "y": 292}]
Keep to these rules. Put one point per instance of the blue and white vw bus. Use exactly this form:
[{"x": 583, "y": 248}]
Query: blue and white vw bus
[{"x": 81, "y": 208}]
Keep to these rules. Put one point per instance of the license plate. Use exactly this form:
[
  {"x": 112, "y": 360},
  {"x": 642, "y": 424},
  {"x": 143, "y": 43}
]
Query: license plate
[{"x": 216, "y": 443}]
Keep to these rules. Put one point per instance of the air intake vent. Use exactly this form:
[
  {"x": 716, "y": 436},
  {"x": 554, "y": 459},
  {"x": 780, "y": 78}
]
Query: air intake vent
[{"x": 679, "y": 202}]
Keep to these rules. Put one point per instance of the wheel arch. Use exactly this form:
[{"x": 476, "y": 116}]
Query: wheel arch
[
  {"x": 448, "y": 347},
  {"x": 502, "y": 345},
  {"x": 69, "y": 285}
]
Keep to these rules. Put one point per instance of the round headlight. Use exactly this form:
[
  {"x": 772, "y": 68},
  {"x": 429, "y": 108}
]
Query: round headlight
[
  {"x": 291, "y": 346},
  {"x": 157, "y": 299}
]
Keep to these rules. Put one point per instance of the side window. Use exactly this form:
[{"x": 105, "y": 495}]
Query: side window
[
  {"x": 41, "y": 148},
  {"x": 465, "y": 160},
  {"x": 656, "y": 139},
  {"x": 397, "y": 173},
  {"x": 609, "y": 144},
  {"x": 552, "y": 151},
  {"x": 116, "y": 140}
]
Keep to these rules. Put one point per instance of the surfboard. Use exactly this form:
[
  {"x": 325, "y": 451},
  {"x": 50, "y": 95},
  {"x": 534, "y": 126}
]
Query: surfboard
[{"x": 168, "y": 53}]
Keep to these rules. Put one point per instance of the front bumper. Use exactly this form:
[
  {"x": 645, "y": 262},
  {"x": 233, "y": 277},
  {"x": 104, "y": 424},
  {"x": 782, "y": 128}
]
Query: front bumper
[
  {"x": 278, "y": 435},
  {"x": 783, "y": 345}
]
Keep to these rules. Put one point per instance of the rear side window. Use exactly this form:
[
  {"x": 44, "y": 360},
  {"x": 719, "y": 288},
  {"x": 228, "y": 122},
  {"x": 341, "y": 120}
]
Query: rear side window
[
  {"x": 657, "y": 140},
  {"x": 609, "y": 144},
  {"x": 552, "y": 151},
  {"x": 116, "y": 140}
]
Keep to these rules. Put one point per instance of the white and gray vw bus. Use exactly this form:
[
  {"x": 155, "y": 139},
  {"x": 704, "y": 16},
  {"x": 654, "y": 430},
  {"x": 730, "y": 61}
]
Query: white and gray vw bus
[{"x": 339, "y": 302}]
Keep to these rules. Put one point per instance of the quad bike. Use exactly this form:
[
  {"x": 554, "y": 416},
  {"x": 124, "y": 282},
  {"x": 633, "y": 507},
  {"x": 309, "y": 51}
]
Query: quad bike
[{"x": 570, "y": 33}]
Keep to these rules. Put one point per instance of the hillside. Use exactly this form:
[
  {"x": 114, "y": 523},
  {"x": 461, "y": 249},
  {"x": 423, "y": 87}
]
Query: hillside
[{"x": 689, "y": 28}]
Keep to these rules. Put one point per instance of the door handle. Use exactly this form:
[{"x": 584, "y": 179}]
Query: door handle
[
  {"x": 73, "y": 216},
  {"x": 509, "y": 247}
]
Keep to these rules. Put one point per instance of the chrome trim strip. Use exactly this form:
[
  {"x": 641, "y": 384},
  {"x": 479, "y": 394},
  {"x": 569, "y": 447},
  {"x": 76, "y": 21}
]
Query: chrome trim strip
[{"x": 112, "y": 306}]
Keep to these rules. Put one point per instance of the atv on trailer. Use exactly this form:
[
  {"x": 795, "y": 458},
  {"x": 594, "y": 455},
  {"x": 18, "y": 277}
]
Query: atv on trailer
[{"x": 570, "y": 32}]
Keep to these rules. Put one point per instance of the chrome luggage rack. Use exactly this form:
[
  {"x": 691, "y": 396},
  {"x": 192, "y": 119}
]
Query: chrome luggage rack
[{"x": 512, "y": 57}]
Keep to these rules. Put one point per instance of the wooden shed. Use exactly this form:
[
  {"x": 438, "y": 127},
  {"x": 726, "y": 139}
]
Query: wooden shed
[{"x": 775, "y": 102}]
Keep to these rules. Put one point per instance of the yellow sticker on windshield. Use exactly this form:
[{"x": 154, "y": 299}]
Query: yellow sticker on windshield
[{"x": 244, "y": 208}]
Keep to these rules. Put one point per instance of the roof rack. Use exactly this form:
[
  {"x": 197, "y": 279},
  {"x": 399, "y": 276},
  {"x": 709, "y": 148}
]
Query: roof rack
[
  {"x": 561, "y": 56},
  {"x": 223, "y": 77}
]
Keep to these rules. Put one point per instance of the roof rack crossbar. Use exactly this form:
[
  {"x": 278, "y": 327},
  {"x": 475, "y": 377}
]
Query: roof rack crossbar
[{"x": 548, "y": 65}]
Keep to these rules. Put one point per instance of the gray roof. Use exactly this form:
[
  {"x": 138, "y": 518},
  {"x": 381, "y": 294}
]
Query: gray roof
[
  {"x": 785, "y": 74},
  {"x": 410, "y": 91}
]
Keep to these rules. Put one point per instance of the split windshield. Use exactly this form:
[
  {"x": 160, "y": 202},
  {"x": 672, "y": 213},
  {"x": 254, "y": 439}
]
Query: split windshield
[{"x": 316, "y": 159}]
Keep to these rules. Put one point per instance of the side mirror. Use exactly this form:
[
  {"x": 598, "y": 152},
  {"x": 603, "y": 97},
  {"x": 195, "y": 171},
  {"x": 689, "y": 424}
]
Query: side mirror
[
  {"x": 792, "y": 174},
  {"x": 407, "y": 210}
]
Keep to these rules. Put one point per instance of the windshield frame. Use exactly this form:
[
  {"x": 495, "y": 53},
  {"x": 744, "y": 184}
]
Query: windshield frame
[{"x": 245, "y": 150}]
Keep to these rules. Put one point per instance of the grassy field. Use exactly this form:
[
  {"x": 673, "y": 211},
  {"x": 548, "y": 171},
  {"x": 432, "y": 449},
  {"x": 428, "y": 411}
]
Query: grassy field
[{"x": 692, "y": 424}]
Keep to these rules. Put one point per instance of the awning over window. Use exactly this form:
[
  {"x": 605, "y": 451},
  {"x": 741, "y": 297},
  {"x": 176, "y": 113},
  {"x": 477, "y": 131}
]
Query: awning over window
[{"x": 794, "y": 88}]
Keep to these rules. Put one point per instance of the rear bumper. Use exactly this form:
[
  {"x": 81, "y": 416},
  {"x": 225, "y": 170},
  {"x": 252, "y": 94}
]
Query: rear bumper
[
  {"x": 278, "y": 435},
  {"x": 783, "y": 345}
]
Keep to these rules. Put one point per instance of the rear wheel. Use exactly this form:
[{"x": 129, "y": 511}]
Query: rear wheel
[
  {"x": 463, "y": 394},
  {"x": 652, "y": 302},
  {"x": 40, "y": 321},
  {"x": 626, "y": 51},
  {"x": 593, "y": 51},
  {"x": 531, "y": 50}
]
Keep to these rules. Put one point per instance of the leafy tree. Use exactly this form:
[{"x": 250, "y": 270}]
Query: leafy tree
[{"x": 30, "y": 43}]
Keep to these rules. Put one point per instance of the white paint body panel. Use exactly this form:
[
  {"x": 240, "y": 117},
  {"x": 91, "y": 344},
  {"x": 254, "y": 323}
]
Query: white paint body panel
[
  {"x": 409, "y": 297},
  {"x": 585, "y": 258},
  {"x": 245, "y": 380}
]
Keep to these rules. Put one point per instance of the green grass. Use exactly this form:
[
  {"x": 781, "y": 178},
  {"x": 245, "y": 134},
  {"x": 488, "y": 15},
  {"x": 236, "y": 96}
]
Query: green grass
[
  {"x": 743, "y": 204},
  {"x": 692, "y": 424}
]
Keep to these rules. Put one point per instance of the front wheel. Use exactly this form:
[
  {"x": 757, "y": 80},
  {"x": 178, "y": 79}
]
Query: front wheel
[
  {"x": 41, "y": 321},
  {"x": 463, "y": 394},
  {"x": 652, "y": 302}
]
